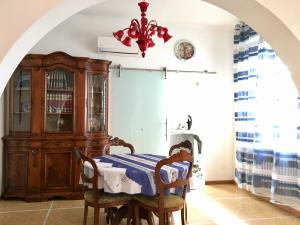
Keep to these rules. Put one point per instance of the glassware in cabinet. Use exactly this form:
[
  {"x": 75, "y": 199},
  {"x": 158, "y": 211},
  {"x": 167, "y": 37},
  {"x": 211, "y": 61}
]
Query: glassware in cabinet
[
  {"x": 21, "y": 102},
  {"x": 96, "y": 88}
]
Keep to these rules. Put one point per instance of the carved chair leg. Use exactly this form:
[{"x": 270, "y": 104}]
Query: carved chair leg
[
  {"x": 130, "y": 213},
  {"x": 112, "y": 215},
  {"x": 85, "y": 214},
  {"x": 183, "y": 217},
  {"x": 96, "y": 215},
  {"x": 166, "y": 218},
  {"x": 185, "y": 207},
  {"x": 150, "y": 219},
  {"x": 169, "y": 218},
  {"x": 136, "y": 213},
  {"x": 162, "y": 217},
  {"x": 108, "y": 212}
]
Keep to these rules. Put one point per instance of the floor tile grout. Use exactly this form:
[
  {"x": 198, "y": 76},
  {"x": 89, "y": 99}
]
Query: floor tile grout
[
  {"x": 75, "y": 207},
  {"x": 40, "y": 210},
  {"x": 48, "y": 213}
]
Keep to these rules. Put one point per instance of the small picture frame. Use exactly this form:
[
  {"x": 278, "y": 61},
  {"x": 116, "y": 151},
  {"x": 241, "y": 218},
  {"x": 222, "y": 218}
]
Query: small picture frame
[{"x": 184, "y": 50}]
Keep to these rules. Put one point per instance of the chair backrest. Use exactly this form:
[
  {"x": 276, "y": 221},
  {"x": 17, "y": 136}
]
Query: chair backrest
[
  {"x": 182, "y": 156},
  {"x": 84, "y": 177},
  {"x": 184, "y": 144},
  {"x": 117, "y": 142}
]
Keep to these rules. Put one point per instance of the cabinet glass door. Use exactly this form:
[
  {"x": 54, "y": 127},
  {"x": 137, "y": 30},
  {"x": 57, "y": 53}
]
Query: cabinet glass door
[
  {"x": 21, "y": 103},
  {"x": 59, "y": 101},
  {"x": 96, "y": 84}
]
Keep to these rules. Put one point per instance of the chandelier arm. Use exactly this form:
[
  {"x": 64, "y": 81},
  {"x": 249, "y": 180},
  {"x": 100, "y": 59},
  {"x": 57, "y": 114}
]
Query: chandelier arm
[
  {"x": 127, "y": 28},
  {"x": 137, "y": 23},
  {"x": 151, "y": 24},
  {"x": 153, "y": 21}
]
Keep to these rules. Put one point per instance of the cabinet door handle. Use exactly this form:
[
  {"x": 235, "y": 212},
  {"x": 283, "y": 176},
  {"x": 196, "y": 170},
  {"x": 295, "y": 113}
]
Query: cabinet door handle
[
  {"x": 35, "y": 160},
  {"x": 35, "y": 151}
]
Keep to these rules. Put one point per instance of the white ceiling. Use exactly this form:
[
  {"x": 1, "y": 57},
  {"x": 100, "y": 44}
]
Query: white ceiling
[{"x": 169, "y": 11}]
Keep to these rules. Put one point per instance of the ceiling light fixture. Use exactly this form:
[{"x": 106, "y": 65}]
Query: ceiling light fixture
[{"x": 142, "y": 31}]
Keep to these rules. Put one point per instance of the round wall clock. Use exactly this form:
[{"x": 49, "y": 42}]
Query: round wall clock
[{"x": 184, "y": 50}]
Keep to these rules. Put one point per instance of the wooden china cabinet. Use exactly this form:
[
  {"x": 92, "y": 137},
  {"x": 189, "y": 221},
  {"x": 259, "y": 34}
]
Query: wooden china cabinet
[{"x": 54, "y": 103}]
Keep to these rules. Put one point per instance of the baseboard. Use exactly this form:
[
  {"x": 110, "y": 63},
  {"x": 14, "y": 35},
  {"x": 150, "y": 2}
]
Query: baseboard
[{"x": 213, "y": 182}]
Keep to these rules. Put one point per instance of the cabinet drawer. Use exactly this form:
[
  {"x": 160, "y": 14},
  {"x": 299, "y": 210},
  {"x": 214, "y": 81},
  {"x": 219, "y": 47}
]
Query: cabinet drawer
[
  {"x": 58, "y": 144},
  {"x": 96, "y": 143},
  {"x": 94, "y": 152},
  {"x": 17, "y": 143}
]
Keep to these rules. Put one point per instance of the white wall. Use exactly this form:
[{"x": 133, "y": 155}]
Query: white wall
[
  {"x": 208, "y": 100},
  {"x": 214, "y": 50}
]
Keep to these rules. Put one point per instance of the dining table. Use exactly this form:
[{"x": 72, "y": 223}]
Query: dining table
[{"x": 133, "y": 174}]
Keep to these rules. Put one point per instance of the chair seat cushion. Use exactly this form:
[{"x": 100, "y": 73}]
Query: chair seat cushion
[
  {"x": 170, "y": 201},
  {"x": 106, "y": 198}
]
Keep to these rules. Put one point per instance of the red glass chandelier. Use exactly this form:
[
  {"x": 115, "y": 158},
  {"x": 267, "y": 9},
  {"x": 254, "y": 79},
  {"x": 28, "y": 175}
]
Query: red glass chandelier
[{"x": 142, "y": 31}]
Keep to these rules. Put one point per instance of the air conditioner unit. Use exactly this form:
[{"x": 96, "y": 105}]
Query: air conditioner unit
[{"x": 111, "y": 45}]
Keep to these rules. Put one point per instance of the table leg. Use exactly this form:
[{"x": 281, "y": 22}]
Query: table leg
[
  {"x": 125, "y": 211},
  {"x": 120, "y": 214},
  {"x": 110, "y": 212},
  {"x": 149, "y": 218}
]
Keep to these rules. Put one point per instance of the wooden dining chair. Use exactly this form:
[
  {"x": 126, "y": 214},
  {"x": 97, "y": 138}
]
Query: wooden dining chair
[
  {"x": 186, "y": 145},
  {"x": 98, "y": 198},
  {"x": 117, "y": 142},
  {"x": 163, "y": 204}
]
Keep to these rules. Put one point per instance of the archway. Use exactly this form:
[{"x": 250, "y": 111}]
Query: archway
[{"x": 267, "y": 24}]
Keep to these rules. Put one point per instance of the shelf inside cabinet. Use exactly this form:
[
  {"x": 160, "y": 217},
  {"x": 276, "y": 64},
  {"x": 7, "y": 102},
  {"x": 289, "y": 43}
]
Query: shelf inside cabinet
[
  {"x": 22, "y": 89},
  {"x": 62, "y": 113},
  {"x": 95, "y": 92},
  {"x": 21, "y": 112},
  {"x": 60, "y": 90},
  {"x": 97, "y": 114}
]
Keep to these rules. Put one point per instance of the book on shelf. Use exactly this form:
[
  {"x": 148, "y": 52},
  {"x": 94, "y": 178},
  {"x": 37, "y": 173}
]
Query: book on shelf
[
  {"x": 65, "y": 86},
  {"x": 57, "y": 79},
  {"x": 59, "y": 103}
]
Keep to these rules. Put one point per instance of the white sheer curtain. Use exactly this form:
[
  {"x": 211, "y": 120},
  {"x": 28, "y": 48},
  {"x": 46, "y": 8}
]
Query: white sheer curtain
[{"x": 266, "y": 121}]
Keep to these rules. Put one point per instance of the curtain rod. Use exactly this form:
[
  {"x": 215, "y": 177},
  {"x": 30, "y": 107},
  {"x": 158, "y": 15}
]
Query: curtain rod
[{"x": 164, "y": 69}]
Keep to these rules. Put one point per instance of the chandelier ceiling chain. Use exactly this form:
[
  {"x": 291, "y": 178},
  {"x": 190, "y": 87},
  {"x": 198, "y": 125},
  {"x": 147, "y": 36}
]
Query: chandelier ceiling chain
[{"x": 142, "y": 31}]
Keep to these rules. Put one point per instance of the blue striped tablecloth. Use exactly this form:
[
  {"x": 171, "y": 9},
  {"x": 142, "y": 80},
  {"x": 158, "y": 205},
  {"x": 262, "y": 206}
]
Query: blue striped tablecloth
[{"x": 134, "y": 173}]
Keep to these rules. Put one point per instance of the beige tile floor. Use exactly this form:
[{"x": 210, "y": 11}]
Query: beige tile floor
[{"x": 216, "y": 204}]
